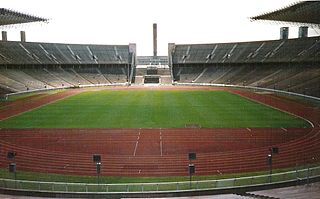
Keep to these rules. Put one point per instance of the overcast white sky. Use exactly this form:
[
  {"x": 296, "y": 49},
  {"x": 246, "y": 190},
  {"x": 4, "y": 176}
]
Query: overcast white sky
[{"x": 130, "y": 21}]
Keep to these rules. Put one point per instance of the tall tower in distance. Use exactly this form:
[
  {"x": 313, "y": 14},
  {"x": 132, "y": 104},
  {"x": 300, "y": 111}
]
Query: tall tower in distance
[{"x": 154, "y": 39}]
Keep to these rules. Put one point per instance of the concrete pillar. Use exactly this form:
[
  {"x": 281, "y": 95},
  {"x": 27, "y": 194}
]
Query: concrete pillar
[
  {"x": 303, "y": 31},
  {"x": 4, "y": 36},
  {"x": 171, "y": 48},
  {"x": 23, "y": 36},
  {"x": 155, "y": 40},
  {"x": 133, "y": 53}
]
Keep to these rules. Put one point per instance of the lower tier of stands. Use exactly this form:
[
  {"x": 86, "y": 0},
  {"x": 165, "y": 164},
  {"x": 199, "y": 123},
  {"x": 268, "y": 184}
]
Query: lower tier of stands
[
  {"x": 17, "y": 79},
  {"x": 298, "y": 78}
]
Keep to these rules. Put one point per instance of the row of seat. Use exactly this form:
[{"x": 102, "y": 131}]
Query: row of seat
[
  {"x": 300, "y": 79},
  {"x": 24, "y": 79}
]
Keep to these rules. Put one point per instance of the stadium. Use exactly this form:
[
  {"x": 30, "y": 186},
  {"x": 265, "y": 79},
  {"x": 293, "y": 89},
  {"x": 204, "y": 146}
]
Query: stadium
[{"x": 90, "y": 120}]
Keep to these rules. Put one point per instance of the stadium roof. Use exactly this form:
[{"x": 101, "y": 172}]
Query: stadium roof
[
  {"x": 306, "y": 12},
  {"x": 9, "y": 17}
]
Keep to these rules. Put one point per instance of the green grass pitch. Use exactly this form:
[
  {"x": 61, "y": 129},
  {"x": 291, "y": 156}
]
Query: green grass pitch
[{"x": 153, "y": 109}]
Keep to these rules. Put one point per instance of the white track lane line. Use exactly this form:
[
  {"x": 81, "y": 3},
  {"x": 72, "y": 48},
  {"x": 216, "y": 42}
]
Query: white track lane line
[
  {"x": 160, "y": 142},
  {"x": 135, "y": 148}
]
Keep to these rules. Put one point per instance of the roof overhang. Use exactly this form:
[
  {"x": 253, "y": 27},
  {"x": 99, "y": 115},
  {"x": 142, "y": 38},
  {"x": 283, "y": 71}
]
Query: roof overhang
[
  {"x": 9, "y": 17},
  {"x": 305, "y": 12}
]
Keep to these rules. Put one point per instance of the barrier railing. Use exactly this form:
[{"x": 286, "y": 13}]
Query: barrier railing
[{"x": 289, "y": 176}]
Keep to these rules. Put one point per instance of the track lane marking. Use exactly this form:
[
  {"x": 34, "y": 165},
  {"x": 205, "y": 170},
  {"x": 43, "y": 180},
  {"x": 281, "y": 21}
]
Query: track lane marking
[
  {"x": 160, "y": 143},
  {"x": 137, "y": 142}
]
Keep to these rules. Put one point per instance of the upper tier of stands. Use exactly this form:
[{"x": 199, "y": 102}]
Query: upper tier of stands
[
  {"x": 22, "y": 53},
  {"x": 276, "y": 51}
]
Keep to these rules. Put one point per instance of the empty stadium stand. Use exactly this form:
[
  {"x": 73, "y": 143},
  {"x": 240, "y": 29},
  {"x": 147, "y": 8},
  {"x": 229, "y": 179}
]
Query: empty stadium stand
[
  {"x": 30, "y": 66},
  {"x": 291, "y": 65}
]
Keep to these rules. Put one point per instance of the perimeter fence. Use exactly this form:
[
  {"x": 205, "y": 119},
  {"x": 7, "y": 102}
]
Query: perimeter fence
[{"x": 289, "y": 176}]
